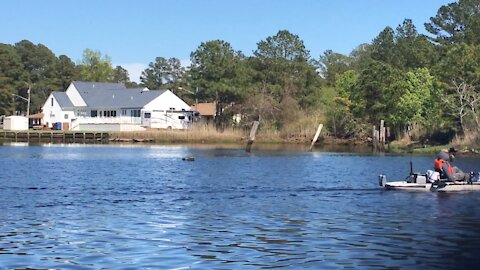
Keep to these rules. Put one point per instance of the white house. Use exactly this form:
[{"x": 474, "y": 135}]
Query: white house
[{"x": 97, "y": 106}]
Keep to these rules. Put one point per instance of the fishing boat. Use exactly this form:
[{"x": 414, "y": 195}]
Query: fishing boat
[{"x": 429, "y": 182}]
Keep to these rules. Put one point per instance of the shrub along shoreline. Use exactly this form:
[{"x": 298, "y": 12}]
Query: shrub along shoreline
[{"x": 210, "y": 135}]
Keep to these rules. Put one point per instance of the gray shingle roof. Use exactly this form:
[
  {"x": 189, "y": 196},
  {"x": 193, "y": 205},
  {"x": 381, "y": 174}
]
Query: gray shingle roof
[
  {"x": 109, "y": 96},
  {"x": 114, "y": 95},
  {"x": 126, "y": 98},
  {"x": 88, "y": 86},
  {"x": 62, "y": 99}
]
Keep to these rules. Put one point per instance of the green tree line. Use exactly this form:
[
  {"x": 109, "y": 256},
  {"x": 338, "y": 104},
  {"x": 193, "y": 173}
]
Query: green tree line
[{"x": 423, "y": 86}]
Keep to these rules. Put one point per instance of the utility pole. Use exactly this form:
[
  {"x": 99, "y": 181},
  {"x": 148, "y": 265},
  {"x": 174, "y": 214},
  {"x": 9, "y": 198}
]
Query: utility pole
[
  {"x": 28, "y": 102},
  {"x": 196, "y": 97}
]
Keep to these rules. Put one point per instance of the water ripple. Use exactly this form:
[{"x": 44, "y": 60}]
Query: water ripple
[{"x": 143, "y": 208}]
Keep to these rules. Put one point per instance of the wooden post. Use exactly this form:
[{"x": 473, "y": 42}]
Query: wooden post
[
  {"x": 251, "y": 138},
  {"x": 382, "y": 132},
  {"x": 315, "y": 138},
  {"x": 379, "y": 137}
]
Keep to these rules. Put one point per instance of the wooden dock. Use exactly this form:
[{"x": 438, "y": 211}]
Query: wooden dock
[{"x": 55, "y": 136}]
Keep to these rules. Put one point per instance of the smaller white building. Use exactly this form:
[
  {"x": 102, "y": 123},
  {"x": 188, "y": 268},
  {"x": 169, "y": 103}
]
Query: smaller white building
[
  {"x": 95, "y": 106},
  {"x": 15, "y": 123}
]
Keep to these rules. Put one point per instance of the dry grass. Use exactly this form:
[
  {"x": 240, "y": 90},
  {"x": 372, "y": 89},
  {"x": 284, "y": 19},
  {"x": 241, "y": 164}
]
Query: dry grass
[
  {"x": 469, "y": 143},
  {"x": 203, "y": 134},
  {"x": 469, "y": 140},
  {"x": 303, "y": 128}
]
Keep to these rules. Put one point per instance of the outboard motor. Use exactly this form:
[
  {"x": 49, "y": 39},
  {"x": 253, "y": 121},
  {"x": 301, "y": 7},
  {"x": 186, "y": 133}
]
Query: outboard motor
[{"x": 382, "y": 179}]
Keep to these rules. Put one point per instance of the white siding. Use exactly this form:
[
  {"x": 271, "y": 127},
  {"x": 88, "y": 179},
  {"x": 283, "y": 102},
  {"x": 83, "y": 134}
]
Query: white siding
[
  {"x": 110, "y": 127},
  {"x": 166, "y": 101},
  {"x": 165, "y": 113},
  {"x": 74, "y": 96},
  {"x": 54, "y": 114}
]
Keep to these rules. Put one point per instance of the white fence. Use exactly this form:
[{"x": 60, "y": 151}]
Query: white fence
[
  {"x": 108, "y": 120},
  {"x": 175, "y": 120},
  {"x": 107, "y": 123}
]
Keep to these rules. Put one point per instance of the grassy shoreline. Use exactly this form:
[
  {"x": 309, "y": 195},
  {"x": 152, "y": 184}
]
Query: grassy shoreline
[
  {"x": 462, "y": 148},
  {"x": 210, "y": 135}
]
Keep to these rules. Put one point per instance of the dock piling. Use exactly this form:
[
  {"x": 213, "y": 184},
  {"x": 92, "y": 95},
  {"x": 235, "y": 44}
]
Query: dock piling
[
  {"x": 315, "y": 138},
  {"x": 251, "y": 138}
]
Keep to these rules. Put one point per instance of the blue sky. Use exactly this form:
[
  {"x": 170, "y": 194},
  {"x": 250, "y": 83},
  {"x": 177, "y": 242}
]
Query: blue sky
[{"x": 134, "y": 32}]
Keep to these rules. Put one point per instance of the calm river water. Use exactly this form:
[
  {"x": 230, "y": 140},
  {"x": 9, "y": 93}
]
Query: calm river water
[{"x": 143, "y": 207}]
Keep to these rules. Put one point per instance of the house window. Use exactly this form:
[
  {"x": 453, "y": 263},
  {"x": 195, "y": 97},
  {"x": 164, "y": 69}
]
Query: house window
[
  {"x": 81, "y": 113},
  {"x": 51, "y": 100},
  {"x": 93, "y": 113},
  {"x": 109, "y": 113},
  {"x": 147, "y": 115},
  {"x": 172, "y": 109},
  {"x": 135, "y": 113},
  {"x": 181, "y": 117},
  {"x": 124, "y": 112},
  {"x": 66, "y": 116}
]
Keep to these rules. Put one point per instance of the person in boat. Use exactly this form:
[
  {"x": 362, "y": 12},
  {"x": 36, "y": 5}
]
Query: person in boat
[{"x": 446, "y": 170}]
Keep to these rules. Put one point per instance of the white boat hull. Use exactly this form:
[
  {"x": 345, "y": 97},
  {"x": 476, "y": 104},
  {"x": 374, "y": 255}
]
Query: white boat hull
[
  {"x": 451, "y": 187},
  {"x": 423, "y": 186},
  {"x": 404, "y": 185}
]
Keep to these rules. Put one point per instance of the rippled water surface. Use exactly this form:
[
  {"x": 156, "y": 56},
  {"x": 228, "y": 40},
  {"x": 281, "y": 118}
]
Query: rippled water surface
[{"x": 143, "y": 207}]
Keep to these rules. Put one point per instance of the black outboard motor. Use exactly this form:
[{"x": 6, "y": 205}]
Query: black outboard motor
[{"x": 382, "y": 180}]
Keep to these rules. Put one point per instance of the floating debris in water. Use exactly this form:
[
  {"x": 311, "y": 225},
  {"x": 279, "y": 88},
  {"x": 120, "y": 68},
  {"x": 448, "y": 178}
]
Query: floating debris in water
[{"x": 188, "y": 158}]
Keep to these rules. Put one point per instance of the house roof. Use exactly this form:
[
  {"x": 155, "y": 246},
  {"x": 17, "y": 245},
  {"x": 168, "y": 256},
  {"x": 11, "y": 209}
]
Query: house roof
[
  {"x": 123, "y": 98},
  {"x": 88, "y": 86},
  {"x": 62, "y": 99},
  {"x": 206, "y": 109},
  {"x": 114, "y": 95},
  {"x": 36, "y": 116}
]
